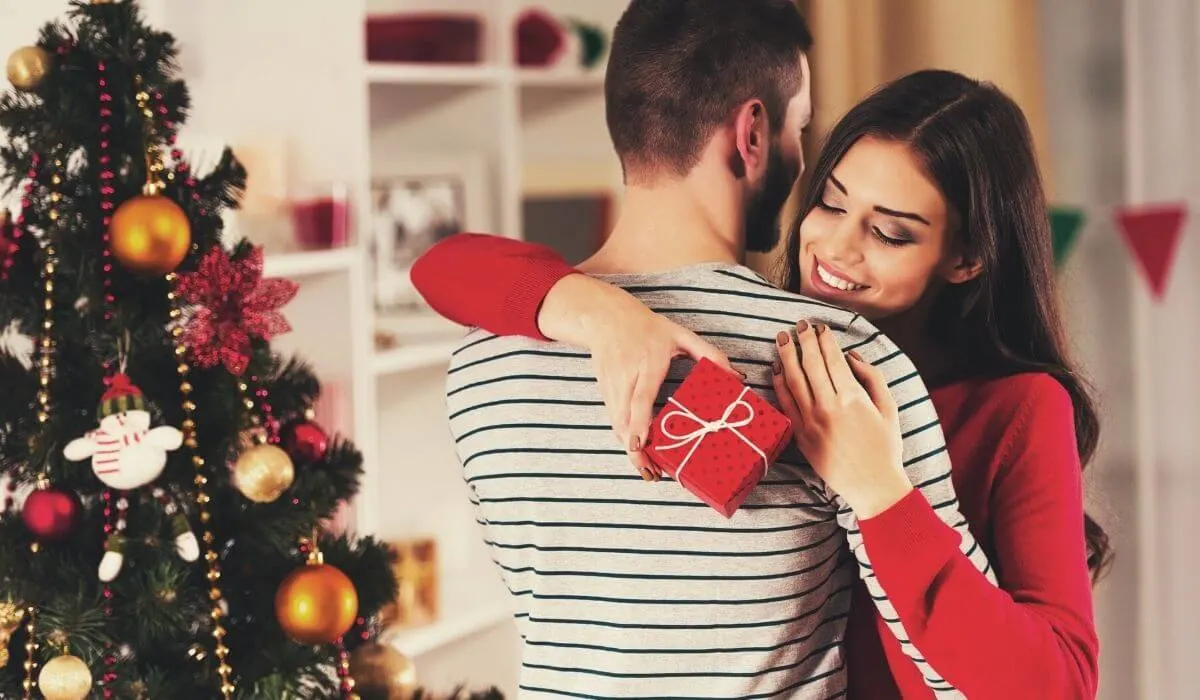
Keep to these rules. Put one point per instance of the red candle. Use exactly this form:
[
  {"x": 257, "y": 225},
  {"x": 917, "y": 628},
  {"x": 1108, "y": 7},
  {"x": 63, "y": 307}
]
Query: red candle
[{"x": 321, "y": 222}]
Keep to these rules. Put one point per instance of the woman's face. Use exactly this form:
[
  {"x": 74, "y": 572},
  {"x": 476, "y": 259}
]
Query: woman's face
[{"x": 879, "y": 239}]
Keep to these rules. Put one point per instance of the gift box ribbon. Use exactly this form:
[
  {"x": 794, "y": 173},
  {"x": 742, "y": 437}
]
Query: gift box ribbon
[{"x": 705, "y": 428}]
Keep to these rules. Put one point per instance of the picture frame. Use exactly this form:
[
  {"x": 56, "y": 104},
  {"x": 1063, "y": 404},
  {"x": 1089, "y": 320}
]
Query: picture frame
[{"x": 415, "y": 203}]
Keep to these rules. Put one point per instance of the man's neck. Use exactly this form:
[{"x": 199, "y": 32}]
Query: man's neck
[{"x": 669, "y": 226}]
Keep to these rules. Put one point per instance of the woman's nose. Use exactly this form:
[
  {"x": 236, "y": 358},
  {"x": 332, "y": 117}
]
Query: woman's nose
[{"x": 845, "y": 245}]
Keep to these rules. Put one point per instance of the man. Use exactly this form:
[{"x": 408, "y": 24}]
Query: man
[{"x": 627, "y": 590}]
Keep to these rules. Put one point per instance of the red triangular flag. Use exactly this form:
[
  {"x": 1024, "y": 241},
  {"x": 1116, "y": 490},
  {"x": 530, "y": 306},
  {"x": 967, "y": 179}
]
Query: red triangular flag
[{"x": 1152, "y": 234}]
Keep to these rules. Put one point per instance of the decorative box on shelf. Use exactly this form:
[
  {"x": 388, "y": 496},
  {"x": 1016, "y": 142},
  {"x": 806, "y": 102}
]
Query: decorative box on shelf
[
  {"x": 424, "y": 38},
  {"x": 415, "y": 567}
]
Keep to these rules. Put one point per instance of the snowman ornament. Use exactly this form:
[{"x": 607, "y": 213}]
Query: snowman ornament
[{"x": 127, "y": 454}]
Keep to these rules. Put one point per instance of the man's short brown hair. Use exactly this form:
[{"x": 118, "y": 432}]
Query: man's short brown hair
[{"x": 679, "y": 68}]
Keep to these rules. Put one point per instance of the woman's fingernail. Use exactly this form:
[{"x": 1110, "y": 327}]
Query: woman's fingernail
[
  {"x": 776, "y": 368},
  {"x": 819, "y": 328},
  {"x": 646, "y": 475},
  {"x": 856, "y": 356},
  {"x": 801, "y": 326},
  {"x": 782, "y": 338},
  {"x": 635, "y": 443}
]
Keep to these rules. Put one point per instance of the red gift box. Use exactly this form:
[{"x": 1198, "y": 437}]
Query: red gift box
[{"x": 717, "y": 437}]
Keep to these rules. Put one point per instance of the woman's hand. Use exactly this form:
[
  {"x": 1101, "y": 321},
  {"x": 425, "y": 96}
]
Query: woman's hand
[
  {"x": 632, "y": 348},
  {"x": 845, "y": 419}
]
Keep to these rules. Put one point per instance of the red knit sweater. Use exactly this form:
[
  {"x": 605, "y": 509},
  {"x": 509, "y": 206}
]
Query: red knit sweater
[{"x": 1018, "y": 477}]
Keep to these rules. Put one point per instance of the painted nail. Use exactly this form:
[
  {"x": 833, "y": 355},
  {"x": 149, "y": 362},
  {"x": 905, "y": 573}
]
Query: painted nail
[
  {"x": 646, "y": 475},
  {"x": 819, "y": 328},
  {"x": 635, "y": 443},
  {"x": 782, "y": 338},
  {"x": 856, "y": 356},
  {"x": 776, "y": 368},
  {"x": 801, "y": 326}
]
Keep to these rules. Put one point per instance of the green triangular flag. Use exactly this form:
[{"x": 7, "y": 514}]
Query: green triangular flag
[{"x": 1065, "y": 223}]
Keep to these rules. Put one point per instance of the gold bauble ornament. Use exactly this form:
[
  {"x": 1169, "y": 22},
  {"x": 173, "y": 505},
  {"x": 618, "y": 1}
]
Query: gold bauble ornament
[
  {"x": 28, "y": 66},
  {"x": 65, "y": 677},
  {"x": 263, "y": 472},
  {"x": 316, "y": 603},
  {"x": 150, "y": 235},
  {"x": 11, "y": 615},
  {"x": 382, "y": 671}
]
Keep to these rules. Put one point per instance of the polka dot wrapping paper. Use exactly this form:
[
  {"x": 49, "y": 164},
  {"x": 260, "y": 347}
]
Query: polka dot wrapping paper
[{"x": 717, "y": 437}]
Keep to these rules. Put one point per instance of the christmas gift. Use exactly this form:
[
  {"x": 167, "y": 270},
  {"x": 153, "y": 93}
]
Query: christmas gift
[{"x": 717, "y": 437}]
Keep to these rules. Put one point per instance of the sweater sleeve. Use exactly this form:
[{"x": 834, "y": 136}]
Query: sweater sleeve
[
  {"x": 927, "y": 465},
  {"x": 1035, "y": 636},
  {"x": 492, "y": 282}
]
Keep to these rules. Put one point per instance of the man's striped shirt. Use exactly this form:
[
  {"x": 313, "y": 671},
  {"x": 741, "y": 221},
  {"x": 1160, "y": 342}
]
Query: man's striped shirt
[{"x": 628, "y": 589}]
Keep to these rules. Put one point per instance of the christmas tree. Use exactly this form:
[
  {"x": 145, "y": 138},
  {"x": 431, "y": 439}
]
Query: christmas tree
[{"x": 170, "y": 545}]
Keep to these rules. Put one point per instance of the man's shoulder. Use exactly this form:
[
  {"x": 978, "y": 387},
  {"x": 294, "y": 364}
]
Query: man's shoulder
[
  {"x": 729, "y": 294},
  {"x": 478, "y": 344},
  {"x": 482, "y": 357}
]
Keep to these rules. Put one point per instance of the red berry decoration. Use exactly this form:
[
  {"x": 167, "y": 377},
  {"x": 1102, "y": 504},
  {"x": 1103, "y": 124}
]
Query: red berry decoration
[
  {"x": 306, "y": 441},
  {"x": 51, "y": 513}
]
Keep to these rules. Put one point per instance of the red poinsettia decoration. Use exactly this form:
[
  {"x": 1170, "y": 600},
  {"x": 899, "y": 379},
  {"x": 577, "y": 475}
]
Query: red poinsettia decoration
[{"x": 232, "y": 304}]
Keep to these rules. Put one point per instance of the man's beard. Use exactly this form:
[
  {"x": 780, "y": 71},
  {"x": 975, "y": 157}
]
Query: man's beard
[{"x": 766, "y": 205}]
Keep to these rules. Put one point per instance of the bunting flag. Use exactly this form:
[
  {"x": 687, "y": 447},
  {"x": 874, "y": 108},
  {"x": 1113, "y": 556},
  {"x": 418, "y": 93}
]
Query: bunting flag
[
  {"x": 1152, "y": 235},
  {"x": 1065, "y": 223}
]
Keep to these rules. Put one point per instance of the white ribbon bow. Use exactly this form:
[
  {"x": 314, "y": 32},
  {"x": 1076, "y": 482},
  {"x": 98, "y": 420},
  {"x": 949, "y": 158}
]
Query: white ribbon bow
[{"x": 707, "y": 428}]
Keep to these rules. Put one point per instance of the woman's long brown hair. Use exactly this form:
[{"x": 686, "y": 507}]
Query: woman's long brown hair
[{"x": 976, "y": 145}]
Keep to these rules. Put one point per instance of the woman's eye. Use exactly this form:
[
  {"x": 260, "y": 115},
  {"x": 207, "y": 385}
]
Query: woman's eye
[
  {"x": 890, "y": 240},
  {"x": 822, "y": 204}
]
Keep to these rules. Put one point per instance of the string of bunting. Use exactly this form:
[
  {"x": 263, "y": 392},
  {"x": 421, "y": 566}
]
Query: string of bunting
[{"x": 1151, "y": 234}]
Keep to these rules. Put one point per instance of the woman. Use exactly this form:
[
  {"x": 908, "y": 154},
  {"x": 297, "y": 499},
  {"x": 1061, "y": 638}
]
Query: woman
[{"x": 926, "y": 215}]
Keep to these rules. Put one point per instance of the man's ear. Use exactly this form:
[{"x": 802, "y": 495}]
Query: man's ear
[
  {"x": 959, "y": 269},
  {"x": 750, "y": 136}
]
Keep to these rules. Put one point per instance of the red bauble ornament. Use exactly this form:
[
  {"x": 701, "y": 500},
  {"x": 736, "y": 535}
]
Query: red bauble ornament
[
  {"x": 306, "y": 441},
  {"x": 50, "y": 513}
]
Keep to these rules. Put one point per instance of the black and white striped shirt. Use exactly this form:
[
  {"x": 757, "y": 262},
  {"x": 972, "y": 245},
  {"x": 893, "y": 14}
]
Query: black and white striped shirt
[{"x": 628, "y": 589}]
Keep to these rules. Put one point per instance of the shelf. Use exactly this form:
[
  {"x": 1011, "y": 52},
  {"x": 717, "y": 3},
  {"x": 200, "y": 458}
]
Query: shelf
[
  {"x": 481, "y": 74},
  {"x": 310, "y": 262},
  {"x": 463, "y": 616},
  {"x": 433, "y": 74},
  {"x": 407, "y": 358},
  {"x": 557, "y": 78}
]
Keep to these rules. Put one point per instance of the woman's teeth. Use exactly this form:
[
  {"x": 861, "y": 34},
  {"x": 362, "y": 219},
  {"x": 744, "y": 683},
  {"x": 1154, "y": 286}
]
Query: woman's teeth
[{"x": 837, "y": 282}]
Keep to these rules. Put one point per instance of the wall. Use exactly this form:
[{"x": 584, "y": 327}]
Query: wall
[
  {"x": 1082, "y": 49},
  {"x": 1122, "y": 98},
  {"x": 1163, "y": 98}
]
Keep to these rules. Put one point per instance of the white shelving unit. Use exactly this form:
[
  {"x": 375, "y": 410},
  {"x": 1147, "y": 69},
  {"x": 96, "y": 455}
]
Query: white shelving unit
[
  {"x": 539, "y": 132},
  {"x": 431, "y": 355},
  {"x": 415, "y": 74},
  {"x": 471, "y": 614},
  {"x": 307, "y": 263},
  {"x": 343, "y": 120}
]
